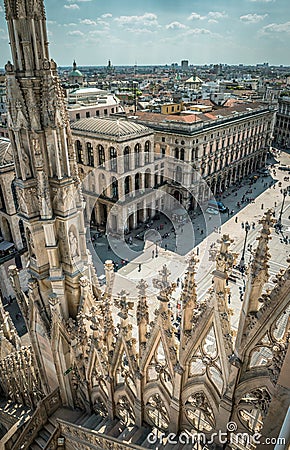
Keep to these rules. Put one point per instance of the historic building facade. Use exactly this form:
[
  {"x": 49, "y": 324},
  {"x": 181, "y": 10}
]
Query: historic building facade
[
  {"x": 221, "y": 147},
  {"x": 88, "y": 377},
  {"x": 116, "y": 166},
  {"x": 282, "y": 124}
]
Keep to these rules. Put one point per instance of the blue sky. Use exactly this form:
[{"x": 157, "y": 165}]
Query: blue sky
[{"x": 165, "y": 31}]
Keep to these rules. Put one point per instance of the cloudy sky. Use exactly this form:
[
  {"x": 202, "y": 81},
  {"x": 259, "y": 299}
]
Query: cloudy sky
[{"x": 165, "y": 31}]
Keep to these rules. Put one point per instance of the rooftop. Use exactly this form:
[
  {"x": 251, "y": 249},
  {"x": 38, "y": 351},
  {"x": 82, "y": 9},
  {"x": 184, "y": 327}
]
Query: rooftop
[{"x": 110, "y": 127}]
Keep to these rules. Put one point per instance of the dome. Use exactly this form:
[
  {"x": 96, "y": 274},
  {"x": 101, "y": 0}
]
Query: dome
[
  {"x": 6, "y": 155},
  {"x": 75, "y": 72},
  {"x": 110, "y": 127}
]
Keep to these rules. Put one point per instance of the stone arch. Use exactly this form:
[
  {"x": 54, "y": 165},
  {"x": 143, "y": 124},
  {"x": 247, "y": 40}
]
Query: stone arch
[
  {"x": 114, "y": 188},
  {"x": 156, "y": 407},
  {"x": 147, "y": 181},
  {"x": 126, "y": 154},
  {"x": 147, "y": 152},
  {"x": 199, "y": 407},
  {"x": 79, "y": 151},
  {"x": 90, "y": 154},
  {"x": 101, "y": 155},
  {"x": 137, "y": 181},
  {"x": 137, "y": 151},
  {"x": 113, "y": 158},
  {"x": 127, "y": 185}
]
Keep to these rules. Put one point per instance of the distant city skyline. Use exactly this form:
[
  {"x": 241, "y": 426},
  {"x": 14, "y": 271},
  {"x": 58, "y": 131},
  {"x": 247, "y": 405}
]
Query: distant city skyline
[{"x": 150, "y": 32}]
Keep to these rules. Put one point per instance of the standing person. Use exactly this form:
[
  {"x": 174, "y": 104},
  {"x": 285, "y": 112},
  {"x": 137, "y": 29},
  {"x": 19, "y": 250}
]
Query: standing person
[{"x": 139, "y": 268}]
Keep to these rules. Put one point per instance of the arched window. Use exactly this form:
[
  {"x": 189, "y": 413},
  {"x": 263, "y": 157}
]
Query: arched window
[
  {"x": 127, "y": 185},
  {"x": 101, "y": 152},
  {"x": 182, "y": 154},
  {"x": 90, "y": 154},
  {"x": 79, "y": 152},
  {"x": 137, "y": 155},
  {"x": 147, "y": 150},
  {"x": 126, "y": 159},
  {"x": 137, "y": 181},
  {"x": 176, "y": 153},
  {"x": 147, "y": 179},
  {"x": 114, "y": 189},
  {"x": 113, "y": 159},
  {"x": 178, "y": 175}
]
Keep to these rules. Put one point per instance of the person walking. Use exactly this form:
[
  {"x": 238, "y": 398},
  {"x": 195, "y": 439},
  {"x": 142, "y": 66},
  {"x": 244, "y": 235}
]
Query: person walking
[
  {"x": 153, "y": 254},
  {"x": 139, "y": 268}
]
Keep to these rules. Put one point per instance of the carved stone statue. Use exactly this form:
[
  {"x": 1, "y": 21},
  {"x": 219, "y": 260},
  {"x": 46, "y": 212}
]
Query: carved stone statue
[{"x": 74, "y": 251}]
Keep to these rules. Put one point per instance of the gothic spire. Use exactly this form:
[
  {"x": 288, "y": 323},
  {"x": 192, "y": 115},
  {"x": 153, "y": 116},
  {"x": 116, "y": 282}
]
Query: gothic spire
[
  {"x": 142, "y": 314},
  {"x": 189, "y": 296}
]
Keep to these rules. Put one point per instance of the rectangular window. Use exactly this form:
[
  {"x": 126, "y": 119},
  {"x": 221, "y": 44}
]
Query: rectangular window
[
  {"x": 112, "y": 110},
  {"x": 163, "y": 139},
  {"x": 97, "y": 113},
  {"x": 105, "y": 112},
  {"x": 88, "y": 114},
  {"x": 78, "y": 116}
]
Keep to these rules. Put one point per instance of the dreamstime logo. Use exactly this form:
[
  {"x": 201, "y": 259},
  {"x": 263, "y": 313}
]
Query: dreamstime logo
[
  {"x": 119, "y": 201},
  {"x": 230, "y": 436}
]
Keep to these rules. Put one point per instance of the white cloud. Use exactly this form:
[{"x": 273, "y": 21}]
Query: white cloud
[
  {"x": 75, "y": 33},
  {"x": 195, "y": 16},
  {"x": 253, "y": 18},
  {"x": 273, "y": 28},
  {"x": 72, "y": 6},
  {"x": 175, "y": 25},
  {"x": 88, "y": 22},
  {"x": 106, "y": 16},
  {"x": 140, "y": 30},
  {"x": 212, "y": 16},
  {"x": 199, "y": 31},
  {"x": 148, "y": 19},
  {"x": 217, "y": 15}
]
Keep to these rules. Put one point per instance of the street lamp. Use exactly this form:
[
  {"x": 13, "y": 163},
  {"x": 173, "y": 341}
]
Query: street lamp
[
  {"x": 284, "y": 193},
  {"x": 242, "y": 262}
]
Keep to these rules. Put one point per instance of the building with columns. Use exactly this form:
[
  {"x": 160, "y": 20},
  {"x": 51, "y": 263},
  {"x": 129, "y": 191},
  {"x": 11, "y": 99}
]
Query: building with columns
[
  {"x": 118, "y": 171},
  {"x": 222, "y": 147},
  {"x": 282, "y": 124}
]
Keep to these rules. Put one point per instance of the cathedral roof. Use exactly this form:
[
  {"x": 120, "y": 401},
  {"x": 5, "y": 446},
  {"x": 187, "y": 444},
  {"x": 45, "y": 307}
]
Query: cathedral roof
[
  {"x": 109, "y": 127},
  {"x": 6, "y": 155}
]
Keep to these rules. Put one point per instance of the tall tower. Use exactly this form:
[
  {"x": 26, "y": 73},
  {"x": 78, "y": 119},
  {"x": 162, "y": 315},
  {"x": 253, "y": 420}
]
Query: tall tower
[{"x": 47, "y": 184}]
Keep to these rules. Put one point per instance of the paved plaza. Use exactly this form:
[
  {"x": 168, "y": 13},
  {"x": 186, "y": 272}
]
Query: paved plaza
[{"x": 146, "y": 265}]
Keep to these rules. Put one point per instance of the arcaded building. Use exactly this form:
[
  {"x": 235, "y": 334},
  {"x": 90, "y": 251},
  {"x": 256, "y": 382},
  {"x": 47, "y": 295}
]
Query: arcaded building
[
  {"x": 282, "y": 124},
  {"x": 118, "y": 172},
  {"x": 221, "y": 147}
]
